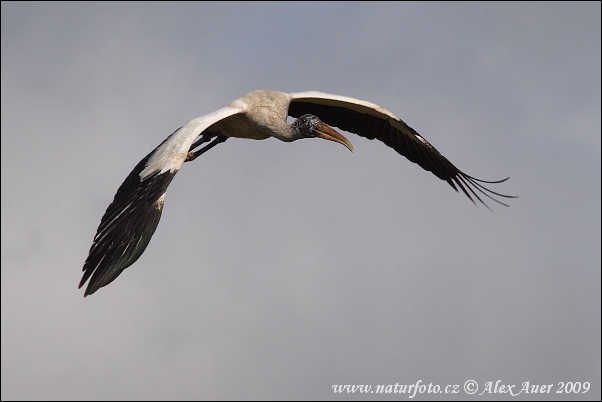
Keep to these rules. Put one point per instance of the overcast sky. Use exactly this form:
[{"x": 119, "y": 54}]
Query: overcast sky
[{"x": 281, "y": 269}]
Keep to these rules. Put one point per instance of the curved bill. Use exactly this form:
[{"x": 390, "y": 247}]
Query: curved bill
[{"x": 328, "y": 133}]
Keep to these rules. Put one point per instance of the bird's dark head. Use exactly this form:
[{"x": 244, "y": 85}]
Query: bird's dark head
[{"x": 310, "y": 126}]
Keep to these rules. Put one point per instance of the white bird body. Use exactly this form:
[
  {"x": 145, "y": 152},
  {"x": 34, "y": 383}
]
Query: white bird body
[
  {"x": 257, "y": 115},
  {"x": 131, "y": 219}
]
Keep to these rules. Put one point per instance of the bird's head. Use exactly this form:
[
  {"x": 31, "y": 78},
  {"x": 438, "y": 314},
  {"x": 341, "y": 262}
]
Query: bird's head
[{"x": 310, "y": 126}]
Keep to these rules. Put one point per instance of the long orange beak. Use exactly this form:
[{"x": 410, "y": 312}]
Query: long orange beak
[{"x": 328, "y": 133}]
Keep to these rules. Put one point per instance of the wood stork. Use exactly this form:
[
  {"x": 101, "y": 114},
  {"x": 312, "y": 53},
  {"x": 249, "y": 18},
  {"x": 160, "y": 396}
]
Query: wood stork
[{"x": 130, "y": 221}]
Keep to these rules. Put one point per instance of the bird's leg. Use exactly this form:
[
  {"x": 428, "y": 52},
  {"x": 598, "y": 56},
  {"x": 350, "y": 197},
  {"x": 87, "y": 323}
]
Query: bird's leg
[
  {"x": 193, "y": 155},
  {"x": 204, "y": 138}
]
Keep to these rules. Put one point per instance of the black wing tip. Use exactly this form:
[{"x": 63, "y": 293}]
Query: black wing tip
[
  {"x": 486, "y": 181},
  {"x": 107, "y": 261},
  {"x": 125, "y": 229},
  {"x": 89, "y": 290},
  {"x": 92, "y": 287},
  {"x": 469, "y": 184}
]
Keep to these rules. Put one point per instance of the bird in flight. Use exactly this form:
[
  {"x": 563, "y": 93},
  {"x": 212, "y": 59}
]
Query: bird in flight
[{"x": 131, "y": 219}]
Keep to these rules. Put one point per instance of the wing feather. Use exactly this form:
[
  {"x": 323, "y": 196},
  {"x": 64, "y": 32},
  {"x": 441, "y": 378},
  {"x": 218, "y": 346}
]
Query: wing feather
[
  {"x": 372, "y": 121},
  {"x": 131, "y": 219},
  {"x": 126, "y": 227}
]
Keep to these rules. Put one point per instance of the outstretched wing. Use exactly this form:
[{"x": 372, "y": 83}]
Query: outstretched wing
[
  {"x": 126, "y": 227},
  {"x": 130, "y": 221},
  {"x": 372, "y": 121}
]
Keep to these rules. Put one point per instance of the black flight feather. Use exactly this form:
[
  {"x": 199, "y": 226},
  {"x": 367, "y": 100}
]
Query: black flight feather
[
  {"x": 402, "y": 138},
  {"x": 126, "y": 227}
]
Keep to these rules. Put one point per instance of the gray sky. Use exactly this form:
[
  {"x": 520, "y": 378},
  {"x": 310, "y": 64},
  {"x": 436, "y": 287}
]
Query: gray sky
[{"x": 279, "y": 270}]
